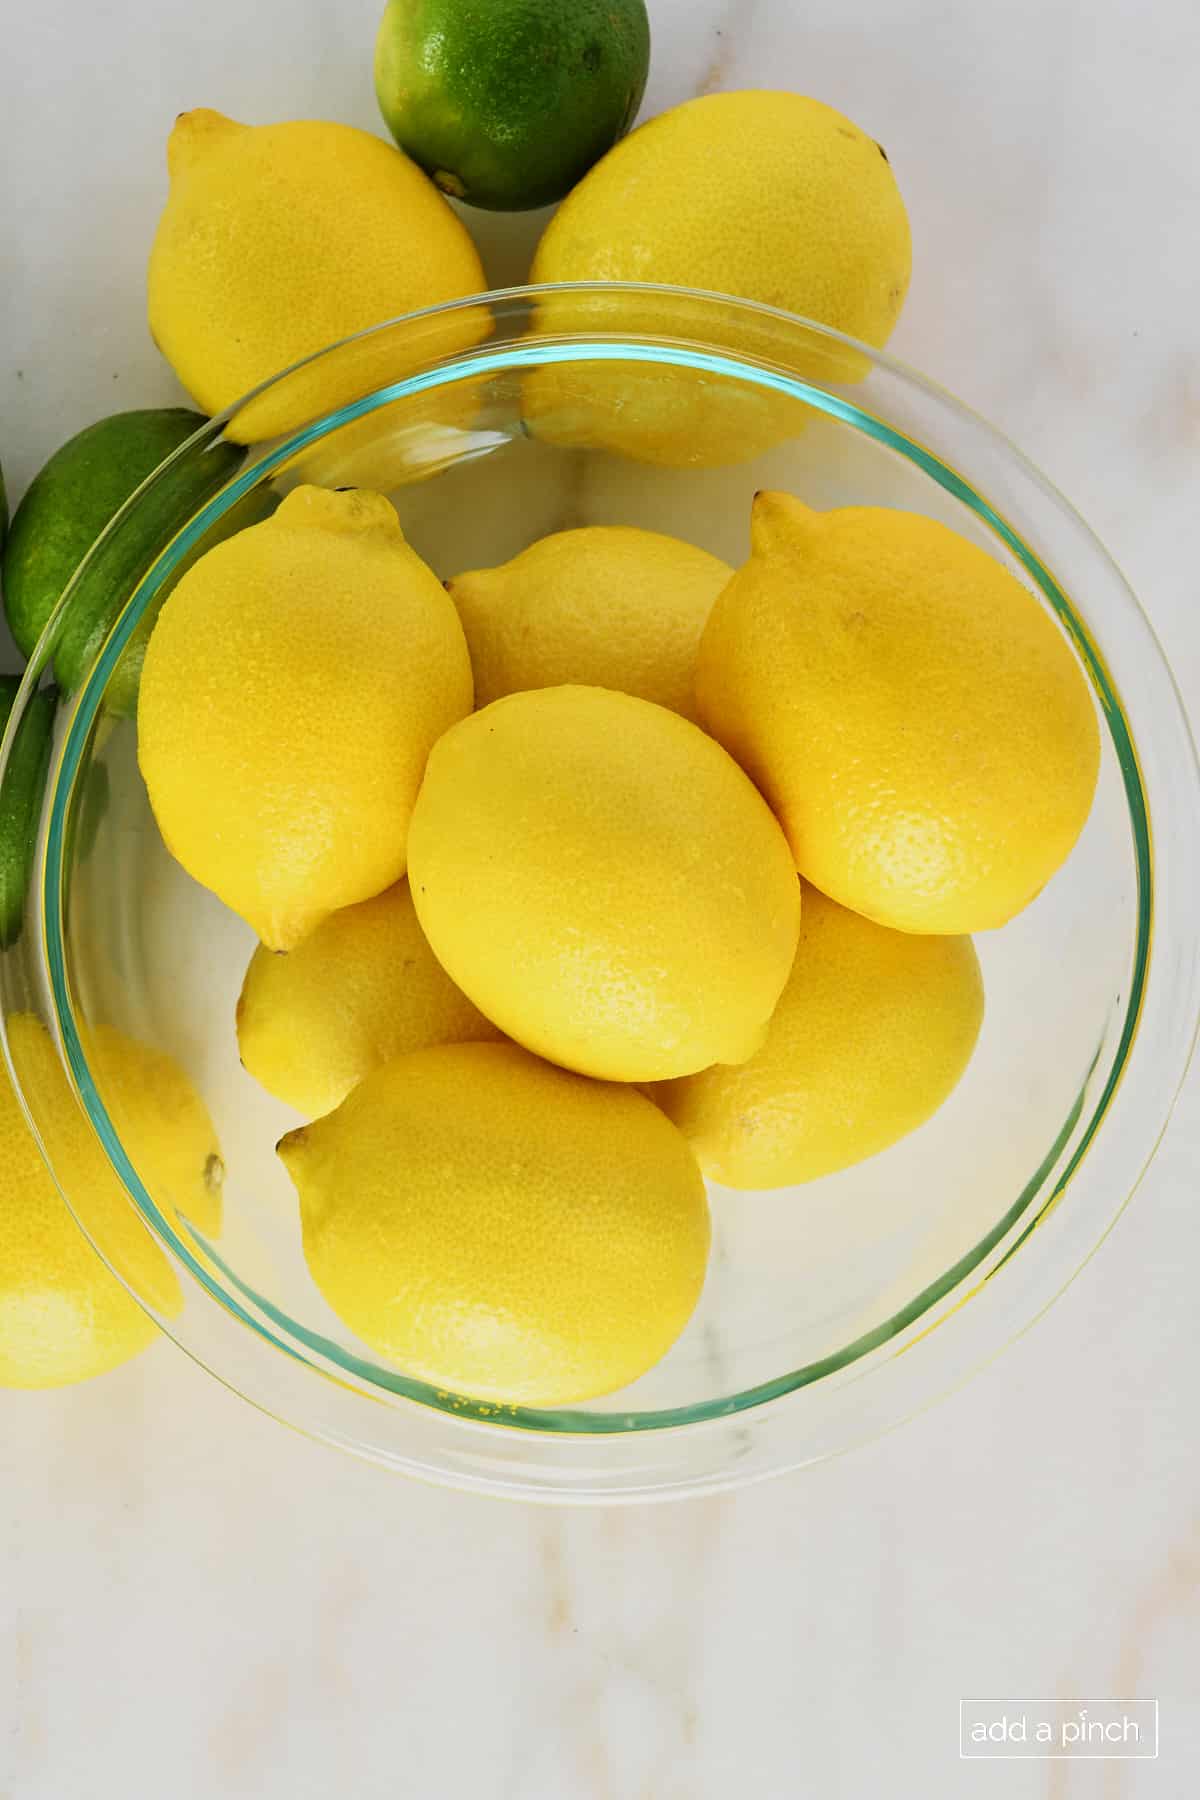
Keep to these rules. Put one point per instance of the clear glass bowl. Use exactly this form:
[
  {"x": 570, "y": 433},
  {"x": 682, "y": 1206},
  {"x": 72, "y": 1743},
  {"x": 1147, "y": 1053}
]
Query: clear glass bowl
[{"x": 832, "y": 1311}]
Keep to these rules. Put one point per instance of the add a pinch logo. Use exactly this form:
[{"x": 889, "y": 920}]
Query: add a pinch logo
[{"x": 1084, "y": 1730}]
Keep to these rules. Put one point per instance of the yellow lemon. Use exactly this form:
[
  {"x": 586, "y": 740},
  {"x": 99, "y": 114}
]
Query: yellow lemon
[
  {"x": 293, "y": 685},
  {"x": 919, "y": 724},
  {"x": 363, "y": 988},
  {"x": 606, "y": 606},
  {"x": 604, "y": 883},
  {"x": 500, "y": 1227},
  {"x": 278, "y": 240},
  {"x": 871, "y": 1034},
  {"x": 163, "y": 1124},
  {"x": 768, "y": 196},
  {"x": 63, "y": 1316}
]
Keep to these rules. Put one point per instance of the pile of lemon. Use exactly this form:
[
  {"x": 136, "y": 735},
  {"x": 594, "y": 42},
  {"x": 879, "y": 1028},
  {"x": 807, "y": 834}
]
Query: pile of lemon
[
  {"x": 690, "y": 890},
  {"x": 585, "y": 877}
]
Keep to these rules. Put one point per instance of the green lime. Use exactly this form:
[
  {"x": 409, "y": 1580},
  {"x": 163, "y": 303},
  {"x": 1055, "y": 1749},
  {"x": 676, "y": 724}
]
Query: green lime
[
  {"x": 21, "y": 799},
  {"x": 70, "y": 502},
  {"x": 508, "y": 103}
]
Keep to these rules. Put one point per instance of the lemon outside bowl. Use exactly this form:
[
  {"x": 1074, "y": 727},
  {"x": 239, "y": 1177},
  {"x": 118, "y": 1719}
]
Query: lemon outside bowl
[{"x": 834, "y": 1311}]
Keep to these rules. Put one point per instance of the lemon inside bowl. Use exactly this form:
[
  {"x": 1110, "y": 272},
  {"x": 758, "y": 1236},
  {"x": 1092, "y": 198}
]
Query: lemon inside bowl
[{"x": 831, "y": 1310}]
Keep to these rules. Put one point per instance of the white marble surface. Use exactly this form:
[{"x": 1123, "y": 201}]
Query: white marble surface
[{"x": 195, "y": 1603}]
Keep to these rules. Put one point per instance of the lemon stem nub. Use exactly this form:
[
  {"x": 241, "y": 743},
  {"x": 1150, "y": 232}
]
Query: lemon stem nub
[{"x": 776, "y": 520}]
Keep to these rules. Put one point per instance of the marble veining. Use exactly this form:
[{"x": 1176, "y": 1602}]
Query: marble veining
[{"x": 195, "y": 1602}]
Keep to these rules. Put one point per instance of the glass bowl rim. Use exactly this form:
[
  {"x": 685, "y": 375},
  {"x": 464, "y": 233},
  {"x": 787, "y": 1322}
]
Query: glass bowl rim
[{"x": 893, "y": 1333}]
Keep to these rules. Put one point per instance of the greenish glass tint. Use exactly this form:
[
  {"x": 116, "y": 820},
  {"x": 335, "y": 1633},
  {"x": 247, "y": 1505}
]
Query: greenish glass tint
[
  {"x": 1032, "y": 1204},
  {"x": 21, "y": 798}
]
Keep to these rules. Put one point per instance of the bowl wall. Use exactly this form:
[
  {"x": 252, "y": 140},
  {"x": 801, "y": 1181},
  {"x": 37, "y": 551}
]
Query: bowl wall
[{"x": 812, "y": 1291}]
